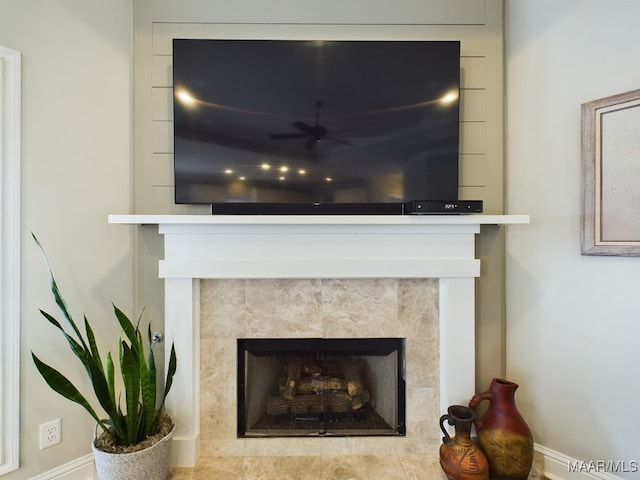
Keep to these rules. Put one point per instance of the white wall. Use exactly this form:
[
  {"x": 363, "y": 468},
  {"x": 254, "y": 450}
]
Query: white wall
[
  {"x": 76, "y": 64},
  {"x": 573, "y": 321}
]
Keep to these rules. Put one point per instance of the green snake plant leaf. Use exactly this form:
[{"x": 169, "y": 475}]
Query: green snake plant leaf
[
  {"x": 95, "y": 353},
  {"x": 92, "y": 366},
  {"x": 148, "y": 377},
  {"x": 56, "y": 294},
  {"x": 171, "y": 371},
  {"x": 140, "y": 418},
  {"x": 78, "y": 349},
  {"x": 62, "y": 385},
  {"x": 148, "y": 390},
  {"x": 131, "y": 377},
  {"x": 101, "y": 388},
  {"x": 130, "y": 331},
  {"x": 111, "y": 376}
]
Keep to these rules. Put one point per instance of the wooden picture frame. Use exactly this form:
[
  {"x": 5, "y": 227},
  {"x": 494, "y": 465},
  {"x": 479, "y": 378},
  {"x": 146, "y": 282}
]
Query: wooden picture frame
[{"x": 611, "y": 175}]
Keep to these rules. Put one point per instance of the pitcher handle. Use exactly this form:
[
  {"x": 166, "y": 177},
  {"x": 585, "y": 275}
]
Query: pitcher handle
[
  {"x": 446, "y": 439},
  {"x": 477, "y": 398},
  {"x": 475, "y": 401}
]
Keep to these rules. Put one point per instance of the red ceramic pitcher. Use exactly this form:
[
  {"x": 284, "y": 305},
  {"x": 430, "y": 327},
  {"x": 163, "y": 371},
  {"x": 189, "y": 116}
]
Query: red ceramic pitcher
[{"x": 503, "y": 435}]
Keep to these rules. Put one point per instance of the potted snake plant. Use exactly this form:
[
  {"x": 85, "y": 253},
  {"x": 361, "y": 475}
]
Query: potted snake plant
[{"x": 134, "y": 439}]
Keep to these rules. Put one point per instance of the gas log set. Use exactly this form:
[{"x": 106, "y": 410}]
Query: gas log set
[{"x": 311, "y": 387}]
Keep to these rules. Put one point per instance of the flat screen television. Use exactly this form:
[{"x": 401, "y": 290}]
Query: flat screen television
[{"x": 290, "y": 126}]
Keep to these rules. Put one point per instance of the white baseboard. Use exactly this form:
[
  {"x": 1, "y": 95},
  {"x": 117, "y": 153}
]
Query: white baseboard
[
  {"x": 80, "y": 469},
  {"x": 185, "y": 451},
  {"x": 558, "y": 466},
  {"x": 553, "y": 465}
]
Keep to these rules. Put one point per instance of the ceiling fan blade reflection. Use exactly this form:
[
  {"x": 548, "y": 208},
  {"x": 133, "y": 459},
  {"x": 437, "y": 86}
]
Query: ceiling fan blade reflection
[
  {"x": 303, "y": 127},
  {"x": 344, "y": 142},
  {"x": 287, "y": 136}
]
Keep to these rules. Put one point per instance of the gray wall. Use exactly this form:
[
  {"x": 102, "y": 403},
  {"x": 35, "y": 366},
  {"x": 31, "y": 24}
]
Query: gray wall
[
  {"x": 76, "y": 131},
  {"x": 572, "y": 320}
]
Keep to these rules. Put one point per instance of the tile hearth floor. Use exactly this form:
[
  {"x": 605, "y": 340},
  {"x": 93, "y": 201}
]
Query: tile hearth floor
[{"x": 326, "y": 467}]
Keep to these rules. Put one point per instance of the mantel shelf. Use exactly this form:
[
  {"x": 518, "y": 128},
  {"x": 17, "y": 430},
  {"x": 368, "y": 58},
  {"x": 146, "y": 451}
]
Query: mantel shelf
[{"x": 319, "y": 219}]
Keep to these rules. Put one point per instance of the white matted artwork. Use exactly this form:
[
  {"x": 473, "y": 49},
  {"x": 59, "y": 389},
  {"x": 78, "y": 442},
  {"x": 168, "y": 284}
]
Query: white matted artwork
[{"x": 611, "y": 175}]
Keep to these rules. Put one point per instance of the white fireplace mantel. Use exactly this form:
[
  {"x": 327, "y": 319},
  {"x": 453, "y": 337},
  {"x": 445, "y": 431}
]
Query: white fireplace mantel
[{"x": 207, "y": 246}]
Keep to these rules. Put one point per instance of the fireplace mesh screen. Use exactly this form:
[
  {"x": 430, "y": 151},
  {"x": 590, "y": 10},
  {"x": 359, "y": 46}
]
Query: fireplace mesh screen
[{"x": 315, "y": 387}]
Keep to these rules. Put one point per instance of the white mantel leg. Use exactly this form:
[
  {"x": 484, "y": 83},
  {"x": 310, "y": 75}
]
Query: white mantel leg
[
  {"x": 182, "y": 326},
  {"x": 457, "y": 341}
]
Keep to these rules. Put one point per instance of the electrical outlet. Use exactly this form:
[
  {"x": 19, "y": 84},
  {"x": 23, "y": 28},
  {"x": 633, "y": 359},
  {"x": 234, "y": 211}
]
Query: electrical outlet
[{"x": 50, "y": 433}]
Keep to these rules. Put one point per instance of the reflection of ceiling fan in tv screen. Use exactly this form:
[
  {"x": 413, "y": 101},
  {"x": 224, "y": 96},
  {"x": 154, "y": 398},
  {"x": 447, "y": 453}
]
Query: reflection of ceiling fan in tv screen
[
  {"x": 312, "y": 134},
  {"x": 284, "y": 126}
]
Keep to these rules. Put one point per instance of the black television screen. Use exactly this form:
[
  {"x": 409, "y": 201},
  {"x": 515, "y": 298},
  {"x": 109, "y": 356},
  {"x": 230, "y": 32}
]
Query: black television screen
[{"x": 290, "y": 126}]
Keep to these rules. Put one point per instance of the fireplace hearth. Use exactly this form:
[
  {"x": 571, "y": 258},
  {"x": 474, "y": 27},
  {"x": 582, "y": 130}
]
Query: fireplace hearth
[{"x": 321, "y": 387}]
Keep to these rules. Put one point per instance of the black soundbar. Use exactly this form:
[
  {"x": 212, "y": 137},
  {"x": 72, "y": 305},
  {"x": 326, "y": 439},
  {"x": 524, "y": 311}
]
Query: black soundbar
[
  {"x": 414, "y": 207},
  {"x": 442, "y": 207},
  {"x": 249, "y": 208}
]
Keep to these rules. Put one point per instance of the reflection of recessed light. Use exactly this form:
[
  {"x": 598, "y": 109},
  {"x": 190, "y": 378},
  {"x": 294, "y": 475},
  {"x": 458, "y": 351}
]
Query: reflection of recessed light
[
  {"x": 242, "y": 178},
  {"x": 284, "y": 169},
  {"x": 282, "y": 177},
  {"x": 228, "y": 171},
  {"x": 329, "y": 179},
  {"x": 302, "y": 172},
  {"x": 265, "y": 166},
  {"x": 449, "y": 97},
  {"x": 186, "y": 98}
]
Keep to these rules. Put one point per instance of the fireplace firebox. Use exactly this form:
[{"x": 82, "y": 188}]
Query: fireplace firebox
[{"x": 321, "y": 387}]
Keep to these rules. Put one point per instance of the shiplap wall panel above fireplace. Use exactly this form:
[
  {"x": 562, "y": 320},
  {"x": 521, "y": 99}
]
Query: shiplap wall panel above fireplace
[{"x": 481, "y": 85}]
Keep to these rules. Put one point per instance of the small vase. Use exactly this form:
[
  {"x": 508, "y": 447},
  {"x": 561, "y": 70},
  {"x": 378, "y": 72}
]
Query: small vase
[
  {"x": 503, "y": 435},
  {"x": 460, "y": 458}
]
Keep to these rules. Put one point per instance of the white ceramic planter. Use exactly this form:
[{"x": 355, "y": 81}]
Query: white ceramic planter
[{"x": 149, "y": 464}]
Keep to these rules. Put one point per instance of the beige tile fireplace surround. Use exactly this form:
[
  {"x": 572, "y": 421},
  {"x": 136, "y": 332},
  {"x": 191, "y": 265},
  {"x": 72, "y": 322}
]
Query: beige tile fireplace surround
[
  {"x": 315, "y": 276},
  {"x": 316, "y": 308}
]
